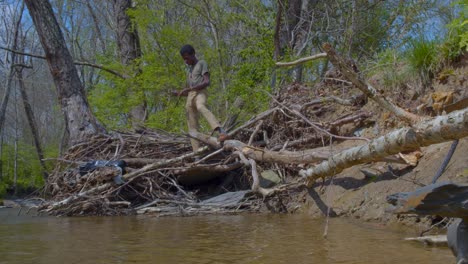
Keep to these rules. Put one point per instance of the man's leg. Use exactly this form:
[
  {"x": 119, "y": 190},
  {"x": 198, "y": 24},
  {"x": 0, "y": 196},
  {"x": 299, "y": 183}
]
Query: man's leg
[
  {"x": 200, "y": 102},
  {"x": 192, "y": 118}
]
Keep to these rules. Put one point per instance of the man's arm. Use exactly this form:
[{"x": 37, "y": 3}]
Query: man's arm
[
  {"x": 204, "y": 84},
  {"x": 199, "y": 87}
]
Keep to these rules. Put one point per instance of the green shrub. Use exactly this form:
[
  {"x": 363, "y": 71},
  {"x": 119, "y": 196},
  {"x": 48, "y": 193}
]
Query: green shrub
[
  {"x": 3, "y": 188},
  {"x": 422, "y": 57},
  {"x": 29, "y": 171},
  {"x": 456, "y": 41},
  {"x": 390, "y": 68}
]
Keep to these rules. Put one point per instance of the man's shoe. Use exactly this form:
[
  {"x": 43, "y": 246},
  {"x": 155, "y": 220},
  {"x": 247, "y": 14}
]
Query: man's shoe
[{"x": 223, "y": 136}]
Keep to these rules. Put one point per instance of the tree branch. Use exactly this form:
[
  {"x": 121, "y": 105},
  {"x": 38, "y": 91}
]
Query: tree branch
[
  {"x": 301, "y": 60},
  {"x": 84, "y": 63},
  {"x": 366, "y": 88}
]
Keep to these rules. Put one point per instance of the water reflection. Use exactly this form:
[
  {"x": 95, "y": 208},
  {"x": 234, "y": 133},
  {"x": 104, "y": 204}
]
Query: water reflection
[{"x": 208, "y": 239}]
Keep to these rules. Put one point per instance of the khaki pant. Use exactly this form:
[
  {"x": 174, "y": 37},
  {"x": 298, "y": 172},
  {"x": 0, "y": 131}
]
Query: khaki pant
[{"x": 196, "y": 103}]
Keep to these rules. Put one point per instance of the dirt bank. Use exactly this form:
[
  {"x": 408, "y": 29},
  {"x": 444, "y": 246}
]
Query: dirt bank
[
  {"x": 352, "y": 193},
  {"x": 361, "y": 191}
]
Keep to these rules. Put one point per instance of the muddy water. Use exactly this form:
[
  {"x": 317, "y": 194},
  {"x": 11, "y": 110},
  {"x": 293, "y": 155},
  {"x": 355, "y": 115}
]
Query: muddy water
[{"x": 208, "y": 239}]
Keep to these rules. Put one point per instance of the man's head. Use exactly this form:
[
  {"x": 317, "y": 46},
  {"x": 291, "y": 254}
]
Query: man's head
[{"x": 188, "y": 54}]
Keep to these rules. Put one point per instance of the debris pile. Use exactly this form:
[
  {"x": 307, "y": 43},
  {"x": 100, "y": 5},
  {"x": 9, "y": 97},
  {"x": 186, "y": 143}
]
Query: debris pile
[{"x": 156, "y": 171}]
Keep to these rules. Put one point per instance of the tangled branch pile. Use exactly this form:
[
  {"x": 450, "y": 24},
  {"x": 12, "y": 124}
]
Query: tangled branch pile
[{"x": 156, "y": 171}]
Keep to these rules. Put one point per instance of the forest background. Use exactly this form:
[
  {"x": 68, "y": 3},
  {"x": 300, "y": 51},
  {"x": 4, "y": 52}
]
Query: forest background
[{"x": 127, "y": 57}]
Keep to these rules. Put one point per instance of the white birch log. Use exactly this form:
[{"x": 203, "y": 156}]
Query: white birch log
[{"x": 437, "y": 130}]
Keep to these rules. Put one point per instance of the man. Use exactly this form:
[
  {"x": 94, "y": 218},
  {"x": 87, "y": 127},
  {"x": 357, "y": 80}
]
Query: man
[{"x": 198, "y": 79}]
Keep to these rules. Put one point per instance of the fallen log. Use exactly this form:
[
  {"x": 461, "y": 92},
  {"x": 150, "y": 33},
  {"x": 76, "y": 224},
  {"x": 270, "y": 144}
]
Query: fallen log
[
  {"x": 354, "y": 100},
  {"x": 437, "y": 130},
  {"x": 280, "y": 157},
  {"x": 263, "y": 155}
]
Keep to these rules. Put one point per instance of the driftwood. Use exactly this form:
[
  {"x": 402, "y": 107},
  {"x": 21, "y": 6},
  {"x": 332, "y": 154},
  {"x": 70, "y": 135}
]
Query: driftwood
[
  {"x": 438, "y": 240},
  {"x": 333, "y": 99}
]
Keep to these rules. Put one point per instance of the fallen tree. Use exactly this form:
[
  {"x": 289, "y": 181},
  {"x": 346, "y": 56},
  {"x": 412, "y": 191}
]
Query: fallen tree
[{"x": 440, "y": 129}]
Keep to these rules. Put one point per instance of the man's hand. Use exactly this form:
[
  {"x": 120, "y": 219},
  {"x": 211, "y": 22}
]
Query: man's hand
[{"x": 184, "y": 92}]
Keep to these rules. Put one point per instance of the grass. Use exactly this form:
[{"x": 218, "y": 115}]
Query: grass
[{"x": 423, "y": 59}]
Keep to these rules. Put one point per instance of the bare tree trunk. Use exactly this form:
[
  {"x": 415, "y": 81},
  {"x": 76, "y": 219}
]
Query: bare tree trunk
[
  {"x": 276, "y": 41},
  {"x": 11, "y": 73},
  {"x": 32, "y": 122},
  {"x": 80, "y": 121},
  {"x": 276, "y": 36},
  {"x": 294, "y": 31},
  {"x": 437, "y": 130},
  {"x": 6, "y": 96},
  {"x": 129, "y": 50},
  {"x": 15, "y": 168},
  {"x": 300, "y": 38},
  {"x": 127, "y": 35},
  {"x": 215, "y": 31},
  {"x": 96, "y": 26},
  {"x": 294, "y": 34},
  {"x": 1, "y": 156},
  {"x": 353, "y": 27}
]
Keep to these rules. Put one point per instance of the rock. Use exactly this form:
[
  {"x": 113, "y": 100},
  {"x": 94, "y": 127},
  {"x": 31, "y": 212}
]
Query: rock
[
  {"x": 11, "y": 204},
  {"x": 269, "y": 179},
  {"x": 18, "y": 203},
  {"x": 370, "y": 174},
  {"x": 444, "y": 199}
]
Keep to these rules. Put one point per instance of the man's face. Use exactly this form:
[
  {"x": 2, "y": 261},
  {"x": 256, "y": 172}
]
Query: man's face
[{"x": 189, "y": 58}]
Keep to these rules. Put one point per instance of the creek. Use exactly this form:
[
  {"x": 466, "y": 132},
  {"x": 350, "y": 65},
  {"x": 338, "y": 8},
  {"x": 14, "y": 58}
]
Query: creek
[{"x": 206, "y": 239}]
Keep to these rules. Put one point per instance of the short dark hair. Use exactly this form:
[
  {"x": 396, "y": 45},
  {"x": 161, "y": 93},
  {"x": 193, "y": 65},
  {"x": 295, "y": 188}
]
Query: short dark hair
[{"x": 187, "y": 49}]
